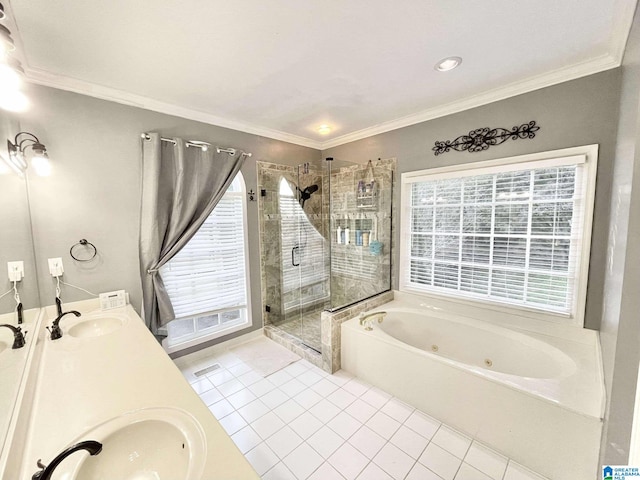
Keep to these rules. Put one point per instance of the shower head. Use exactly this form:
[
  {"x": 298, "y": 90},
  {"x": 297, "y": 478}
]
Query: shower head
[
  {"x": 306, "y": 193},
  {"x": 311, "y": 189}
]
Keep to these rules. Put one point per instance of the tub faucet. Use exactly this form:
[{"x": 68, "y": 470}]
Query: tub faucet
[
  {"x": 367, "y": 318},
  {"x": 55, "y": 330},
  {"x": 18, "y": 336},
  {"x": 46, "y": 471}
]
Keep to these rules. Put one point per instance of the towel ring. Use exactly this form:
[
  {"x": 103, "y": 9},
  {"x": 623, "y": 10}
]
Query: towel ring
[{"x": 83, "y": 242}]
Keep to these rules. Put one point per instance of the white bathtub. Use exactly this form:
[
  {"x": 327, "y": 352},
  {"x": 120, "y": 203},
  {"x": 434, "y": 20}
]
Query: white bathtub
[{"x": 534, "y": 397}]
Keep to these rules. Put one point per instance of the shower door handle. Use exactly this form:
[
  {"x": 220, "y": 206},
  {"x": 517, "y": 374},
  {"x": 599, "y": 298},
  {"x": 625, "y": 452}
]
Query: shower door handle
[{"x": 293, "y": 256}]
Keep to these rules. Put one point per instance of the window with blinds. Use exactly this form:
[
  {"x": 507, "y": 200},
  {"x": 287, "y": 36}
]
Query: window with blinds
[
  {"x": 513, "y": 233},
  {"x": 207, "y": 280}
]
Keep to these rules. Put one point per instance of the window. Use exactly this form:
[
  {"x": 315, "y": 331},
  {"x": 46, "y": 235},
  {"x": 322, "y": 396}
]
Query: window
[
  {"x": 207, "y": 280},
  {"x": 514, "y": 231}
]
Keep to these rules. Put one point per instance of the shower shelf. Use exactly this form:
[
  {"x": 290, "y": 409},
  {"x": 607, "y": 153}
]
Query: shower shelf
[{"x": 366, "y": 200}]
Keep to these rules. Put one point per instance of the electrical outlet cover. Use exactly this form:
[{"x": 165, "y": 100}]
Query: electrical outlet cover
[
  {"x": 16, "y": 271},
  {"x": 56, "y": 268}
]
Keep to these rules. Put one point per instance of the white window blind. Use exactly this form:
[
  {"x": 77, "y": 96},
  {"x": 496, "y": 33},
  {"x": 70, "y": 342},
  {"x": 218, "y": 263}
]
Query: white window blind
[
  {"x": 209, "y": 274},
  {"x": 511, "y": 234}
]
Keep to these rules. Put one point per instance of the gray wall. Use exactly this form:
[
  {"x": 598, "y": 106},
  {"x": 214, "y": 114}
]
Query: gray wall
[
  {"x": 580, "y": 112},
  {"x": 620, "y": 329},
  {"x": 94, "y": 190}
]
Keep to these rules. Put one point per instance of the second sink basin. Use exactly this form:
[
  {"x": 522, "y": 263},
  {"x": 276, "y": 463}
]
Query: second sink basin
[
  {"x": 95, "y": 327},
  {"x": 152, "y": 443}
]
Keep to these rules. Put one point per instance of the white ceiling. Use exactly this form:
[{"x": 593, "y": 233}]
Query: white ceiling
[{"x": 281, "y": 68}]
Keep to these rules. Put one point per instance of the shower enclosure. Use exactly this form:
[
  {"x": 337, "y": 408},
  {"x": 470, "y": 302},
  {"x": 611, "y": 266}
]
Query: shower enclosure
[{"x": 325, "y": 235}]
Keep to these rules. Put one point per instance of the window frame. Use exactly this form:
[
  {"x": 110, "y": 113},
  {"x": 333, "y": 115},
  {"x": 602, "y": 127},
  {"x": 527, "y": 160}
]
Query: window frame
[
  {"x": 191, "y": 342},
  {"x": 587, "y": 154}
]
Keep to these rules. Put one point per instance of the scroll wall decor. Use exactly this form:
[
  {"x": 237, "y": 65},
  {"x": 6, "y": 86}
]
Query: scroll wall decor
[{"x": 483, "y": 138}]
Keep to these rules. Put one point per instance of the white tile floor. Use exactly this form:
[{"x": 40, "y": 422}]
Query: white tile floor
[{"x": 301, "y": 423}]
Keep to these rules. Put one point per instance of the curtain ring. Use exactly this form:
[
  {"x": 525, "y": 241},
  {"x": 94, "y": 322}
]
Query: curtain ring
[{"x": 84, "y": 243}]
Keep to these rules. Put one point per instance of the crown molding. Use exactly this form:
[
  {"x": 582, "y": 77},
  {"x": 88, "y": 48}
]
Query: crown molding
[
  {"x": 598, "y": 64},
  {"x": 623, "y": 13},
  {"x": 43, "y": 77}
]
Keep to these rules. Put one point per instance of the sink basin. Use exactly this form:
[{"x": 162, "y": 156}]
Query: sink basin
[
  {"x": 148, "y": 444},
  {"x": 95, "y": 327}
]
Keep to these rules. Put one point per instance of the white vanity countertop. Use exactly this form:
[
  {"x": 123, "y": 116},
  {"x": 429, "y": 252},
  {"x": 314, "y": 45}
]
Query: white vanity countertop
[{"x": 83, "y": 382}]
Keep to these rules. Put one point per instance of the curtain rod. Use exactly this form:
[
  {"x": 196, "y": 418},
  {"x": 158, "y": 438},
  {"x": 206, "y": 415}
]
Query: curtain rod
[{"x": 195, "y": 143}]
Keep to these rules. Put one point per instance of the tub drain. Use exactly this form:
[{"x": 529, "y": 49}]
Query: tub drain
[
  {"x": 434, "y": 348},
  {"x": 488, "y": 362}
]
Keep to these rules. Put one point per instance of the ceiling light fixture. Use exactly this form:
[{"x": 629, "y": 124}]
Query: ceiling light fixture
[
  {"x": 39, "y": 161},
  {"x": 448, "y": 63},
  {"x": 324, "y": 129}
]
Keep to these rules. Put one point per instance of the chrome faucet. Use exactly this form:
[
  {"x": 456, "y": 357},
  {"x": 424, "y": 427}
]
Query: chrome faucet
[
  {"x": 46, "y": 471},
  {"x": 18, "y": 336},
  {"x": 55, "y": 330},
  {"x": 367, "y": 318}
]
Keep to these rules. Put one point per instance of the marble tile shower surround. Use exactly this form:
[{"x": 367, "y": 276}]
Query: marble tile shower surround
[
  {"x": 330, "y": 322},
  {"x": 330, "y": 328},
  {"x": 356, "y": 273},
  {"x": 360, "y": 274}
]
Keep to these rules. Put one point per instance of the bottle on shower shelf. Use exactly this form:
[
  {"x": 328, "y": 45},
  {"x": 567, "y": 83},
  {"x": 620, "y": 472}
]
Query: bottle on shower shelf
[
  {"x": 365, "y": 238},
  {"x": 346, "y": 236},
  {"x": 339, "y": 235}
]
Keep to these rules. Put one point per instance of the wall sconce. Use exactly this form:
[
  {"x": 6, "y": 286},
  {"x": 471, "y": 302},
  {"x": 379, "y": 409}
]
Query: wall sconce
[{"x": 39, "y": 161}]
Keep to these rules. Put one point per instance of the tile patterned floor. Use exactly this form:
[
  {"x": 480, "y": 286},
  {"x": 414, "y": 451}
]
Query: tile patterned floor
[{"x": 302, "y": 423}]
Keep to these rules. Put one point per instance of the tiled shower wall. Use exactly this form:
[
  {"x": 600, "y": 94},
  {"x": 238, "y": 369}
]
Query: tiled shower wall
[{"x": 358, "y": 272}]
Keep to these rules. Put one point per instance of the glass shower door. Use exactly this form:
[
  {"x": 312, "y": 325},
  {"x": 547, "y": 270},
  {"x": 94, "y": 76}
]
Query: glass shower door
[
  {"x": 303, "y": 261},
  {"x": 309, "y": 255}
]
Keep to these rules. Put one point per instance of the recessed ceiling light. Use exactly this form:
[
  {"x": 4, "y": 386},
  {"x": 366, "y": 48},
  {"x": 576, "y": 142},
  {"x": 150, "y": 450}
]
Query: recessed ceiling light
[
  {"x": 324, "y": 129},
  {"x": 448, "y": 63}
]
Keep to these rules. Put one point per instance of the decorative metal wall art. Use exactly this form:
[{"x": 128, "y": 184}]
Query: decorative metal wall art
[{"x": 483, "y": 138}]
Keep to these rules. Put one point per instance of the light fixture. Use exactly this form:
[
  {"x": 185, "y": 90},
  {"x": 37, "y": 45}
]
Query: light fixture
[
  {"x": 448, "y": 63},
  {"x": 324, "y": 129},
  {"x": 6, "y": 42},
  {"x": 13, "y": 101},
  {"x": 11, "y": 72},
  {"x": 39, "y": 161}
]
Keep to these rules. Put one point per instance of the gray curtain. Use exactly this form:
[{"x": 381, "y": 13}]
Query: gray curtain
[{"x": 180, "y": 187}]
